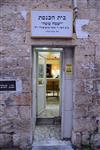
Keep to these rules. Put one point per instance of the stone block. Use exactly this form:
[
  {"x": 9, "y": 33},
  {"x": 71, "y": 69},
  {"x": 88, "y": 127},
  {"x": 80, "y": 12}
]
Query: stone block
[
  {"x": 88, "y": 86},
  {"x": 22, "y": 99},
  {"x": 85, "y": 138},
  {"x": 93, "y": 13},
  {"x": 13, "y": 37},
  {"x": 81, "y": 99},
  {"x": 5, "y": 140},
  {"x": 97, "y": 62},
  {"x": 98, "y": 11},
  {"x": 20, "y": 22},
  {"x": 95, "y": 141},
  {"x": 84, "y": 58},
  {"x": 24, "y": 61},
  {"x": 8, "y": 8},
  {"x": 82, "y": 50},
  {"x": 2, "y": 107},
  {"x": 79, "y": 86},
  {"x": 82, "y": 4},
  {"x": 99, "y": 127},
  {"x": 22, "y": 72},
  {"x": 94, "y": 110},
  {"x": 98, "y": 51},
  {"x": 85, "y": 14},
  {"x": 9, "y": 22},
  {"x": 17, "y": 37},
  {"x": 91, "y": 3},
  {"x": 84, "y": 124},
  {"x": 11, "y": 19},
  {"x": 85, "y": 69},
  {"x": 22, "y": 125},
  {"x": 6, "y": 125},
  {"x": 14, "y": 112},
  {"x": 4, "y": 38},
  {"x": 19, "y": 51},
  {"x": 84, "y": 86},
  {"x": 25, "y": 112},
  {"x": 2, "y": 98},
  {"x": 94, "y": 37},
  {"x": 24, "y": 120},
  {"x": 96, "y": 100},
  {"x": 16, "y": 118},
  {"x": 11, "y": 112},
  {"x": 27, "y": 86},
  {"x": 77, "y": 138},
  {"x": 7, "y": 62},
  {"x": 80, "y": 111},
  {"x": 93, "y": 26},
  {"x": 15, "y": 99},
  {"x": 22, "y": 140},
  {"x": 98, "y": 123}
]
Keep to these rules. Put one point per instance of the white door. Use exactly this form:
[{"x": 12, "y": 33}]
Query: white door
[{"x": 41, "y": 85}]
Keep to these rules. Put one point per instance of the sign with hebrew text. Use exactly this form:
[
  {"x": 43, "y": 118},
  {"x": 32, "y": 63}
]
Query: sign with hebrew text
[
  {"x": 53, "y": 24},
  {"x": 7, "y": 85}
]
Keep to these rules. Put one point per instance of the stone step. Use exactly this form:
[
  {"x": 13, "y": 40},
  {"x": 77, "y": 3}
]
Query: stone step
[
  {"x": 48, "y": 121},
  {"x": 54, "y": 145}
]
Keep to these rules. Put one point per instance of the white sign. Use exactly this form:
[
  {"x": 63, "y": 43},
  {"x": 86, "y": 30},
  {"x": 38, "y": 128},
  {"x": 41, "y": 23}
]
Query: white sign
[
  {"x": 52, "y": 24},
  {"x": 79, "y": 31}
]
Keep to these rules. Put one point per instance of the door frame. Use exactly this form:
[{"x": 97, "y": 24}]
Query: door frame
[{"x": 61, "y": 82}]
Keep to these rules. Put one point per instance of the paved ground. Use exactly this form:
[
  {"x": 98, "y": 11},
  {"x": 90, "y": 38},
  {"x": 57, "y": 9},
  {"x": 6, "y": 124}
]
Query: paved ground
[
  {"x": 47, "y": 133},
  {"x": 47, "y": 137}
]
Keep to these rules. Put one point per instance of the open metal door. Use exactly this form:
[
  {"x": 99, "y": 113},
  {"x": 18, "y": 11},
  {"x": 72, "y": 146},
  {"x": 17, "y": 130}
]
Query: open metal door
[{"x": 41, "y": 85}]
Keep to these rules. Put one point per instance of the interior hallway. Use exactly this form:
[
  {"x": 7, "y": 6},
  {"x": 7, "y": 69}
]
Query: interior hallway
[{"x": 51, "y": 109}]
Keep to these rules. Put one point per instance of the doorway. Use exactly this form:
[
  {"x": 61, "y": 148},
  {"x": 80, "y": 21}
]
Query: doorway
[
  {"x": 48, "y": 84},
  {"x": 52, "y": 88}
]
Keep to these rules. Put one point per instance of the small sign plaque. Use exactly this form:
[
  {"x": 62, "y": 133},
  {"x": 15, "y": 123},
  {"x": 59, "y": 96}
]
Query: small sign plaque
[
  {"x": 7, "y": 85},
  {"x": 53, "y": 24},
  {"x": 69, "y": 69}
]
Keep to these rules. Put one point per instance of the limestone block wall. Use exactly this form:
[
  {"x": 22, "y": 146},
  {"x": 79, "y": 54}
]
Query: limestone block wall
[
  {"x": 86, "y": 114},
  {"x": 16, "y": 64}
]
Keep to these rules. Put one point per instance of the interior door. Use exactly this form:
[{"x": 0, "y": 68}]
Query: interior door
[{"x": 41, "y": 85}]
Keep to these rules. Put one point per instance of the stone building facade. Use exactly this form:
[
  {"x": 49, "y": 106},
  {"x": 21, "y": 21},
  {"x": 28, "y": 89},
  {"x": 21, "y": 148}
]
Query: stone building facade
[{"x": 16, "y": 64}]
